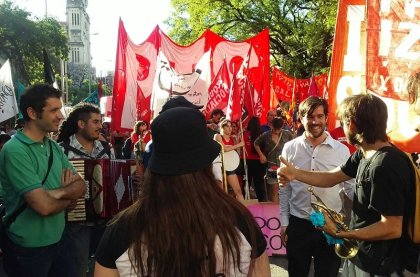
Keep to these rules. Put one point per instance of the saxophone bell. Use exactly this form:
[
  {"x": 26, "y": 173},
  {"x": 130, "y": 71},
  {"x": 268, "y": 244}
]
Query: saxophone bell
[{"x": 349, "y": 248}]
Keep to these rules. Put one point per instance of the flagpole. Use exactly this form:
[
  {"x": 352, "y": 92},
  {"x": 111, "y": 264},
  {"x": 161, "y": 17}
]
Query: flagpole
[
  {"x": 247, "y": 196},
  {"x": 293, "y": 105}
]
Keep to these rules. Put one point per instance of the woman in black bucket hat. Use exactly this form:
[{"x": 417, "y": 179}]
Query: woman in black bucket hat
[{"x": 183, "y": 224}]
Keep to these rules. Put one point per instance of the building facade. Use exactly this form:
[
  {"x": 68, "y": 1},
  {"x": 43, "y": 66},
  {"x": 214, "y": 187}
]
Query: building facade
[{"x": 78, "y": 25}]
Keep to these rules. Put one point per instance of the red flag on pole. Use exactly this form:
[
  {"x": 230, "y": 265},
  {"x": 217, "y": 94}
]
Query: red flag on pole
[
  {"x": 237, "y": 91},
  {"x": 219, "y": 91},
  {"x": 100, "y": 92},
  {"x": 313, "y": 89}
]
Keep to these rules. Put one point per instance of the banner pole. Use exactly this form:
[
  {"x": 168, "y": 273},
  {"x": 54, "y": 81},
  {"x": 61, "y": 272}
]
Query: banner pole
[{"x": 247, "y": 196}]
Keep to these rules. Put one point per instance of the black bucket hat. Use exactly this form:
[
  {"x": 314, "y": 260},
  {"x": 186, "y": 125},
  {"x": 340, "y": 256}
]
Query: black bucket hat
[
  {"x": 181, "y": 143},
  {"x": 179, "y": 101}
]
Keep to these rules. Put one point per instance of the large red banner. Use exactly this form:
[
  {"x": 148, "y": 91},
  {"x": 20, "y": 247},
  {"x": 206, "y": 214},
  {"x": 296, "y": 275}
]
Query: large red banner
[
  {"x": 393, "y": 53},
  {"x": 283, "y": 85},
  {"x": 375, "y": 48},
  {"x": 151, "y": 72}
]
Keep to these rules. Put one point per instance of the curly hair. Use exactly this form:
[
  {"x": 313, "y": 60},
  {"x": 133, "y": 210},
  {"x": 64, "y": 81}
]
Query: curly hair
[
  {"x": 69, "y": 127},
  {"x": 35, "y": 97}
]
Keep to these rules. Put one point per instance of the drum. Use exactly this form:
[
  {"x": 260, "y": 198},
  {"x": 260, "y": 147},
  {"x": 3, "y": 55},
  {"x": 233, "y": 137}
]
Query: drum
[
  {"x": 231, "y": 160},
  {"x": 217, "y": 168}
]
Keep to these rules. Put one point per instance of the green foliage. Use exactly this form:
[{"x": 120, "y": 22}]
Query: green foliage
[
  {"x": 301, "y": 32},
  {"x": 22, "y": 40}
]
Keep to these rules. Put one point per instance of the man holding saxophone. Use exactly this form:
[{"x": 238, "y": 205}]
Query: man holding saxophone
[
  {"x": 314, "y": 150},
  {"x": 383, "y": 177}
]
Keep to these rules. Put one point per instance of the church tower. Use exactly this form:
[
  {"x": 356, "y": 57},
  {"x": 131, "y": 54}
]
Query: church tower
[{"x": 78, "y": 25}]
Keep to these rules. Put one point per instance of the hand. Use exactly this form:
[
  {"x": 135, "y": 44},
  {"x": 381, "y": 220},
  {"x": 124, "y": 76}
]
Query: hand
[
  {"x": 72, "y": 205},
  {"x": 283, "y": 235},
  {"x": 240, "y": 144},
  {"x": 263, "y": 159},
  {"x": 287, "y": 173},
  {"x": 212, "y": 126},
  {"x": 329, "y": 227},
  {"x": 68, "y": 177}
]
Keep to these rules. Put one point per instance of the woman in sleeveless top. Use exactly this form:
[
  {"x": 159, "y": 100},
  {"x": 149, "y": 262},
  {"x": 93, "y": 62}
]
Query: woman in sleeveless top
[{"x": 228, "y": 144}]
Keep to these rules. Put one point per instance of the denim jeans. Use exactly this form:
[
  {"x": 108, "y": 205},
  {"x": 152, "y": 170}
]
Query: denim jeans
[
  {"x": 73, "y": 253},
  {"x": 29, "y": 261}
]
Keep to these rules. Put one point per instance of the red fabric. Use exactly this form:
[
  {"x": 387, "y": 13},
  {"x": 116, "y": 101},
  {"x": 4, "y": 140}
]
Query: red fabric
[
  {"x": 134, "y": 140},
  {"x": 136, "y": 70},
  {"x": 134, "y": 74},
  {"x": 239, "y": 88},
  {"x": 146, "y": 137},
  {"x": 313, "y": 89},
  {"x": 284, "y": 85},
  {"x": 376, "y": 57},
  {"x": 258, "y": 72},
  {"x": 250, "y": 154},
  {"x": 388, "y": 68},
  {"x": 338, "y": 134},
  {"x": 393, "y": 54},
  {"x": 346, "y": 78},
  {"x": 218, "y": 91},
  {"x": 100, "y": 92}
]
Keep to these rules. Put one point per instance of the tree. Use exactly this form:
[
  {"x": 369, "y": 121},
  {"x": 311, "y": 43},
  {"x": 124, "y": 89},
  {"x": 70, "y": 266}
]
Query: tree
[
  {"x": 22, "y": 40},
  {"x": 301, "y": 31}
]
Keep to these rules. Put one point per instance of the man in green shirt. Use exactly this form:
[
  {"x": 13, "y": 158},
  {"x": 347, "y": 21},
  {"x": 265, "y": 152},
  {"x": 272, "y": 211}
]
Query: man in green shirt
[{"x": 31, "y": 245}]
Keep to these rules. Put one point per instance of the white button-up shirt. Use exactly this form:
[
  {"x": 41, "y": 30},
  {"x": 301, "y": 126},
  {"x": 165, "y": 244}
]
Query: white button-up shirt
[{"x": 295, "y": 199}]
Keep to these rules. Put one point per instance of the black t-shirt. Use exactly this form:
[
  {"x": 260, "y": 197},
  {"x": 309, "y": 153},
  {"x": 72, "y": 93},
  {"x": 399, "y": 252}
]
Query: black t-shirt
[
  {"x": 382, "y": 187},
  {"x": 115, "y": 242}
]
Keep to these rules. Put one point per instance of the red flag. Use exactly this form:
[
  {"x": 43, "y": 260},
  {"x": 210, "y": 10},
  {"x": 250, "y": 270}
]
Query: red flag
[
  {"x": 249, "y": 107},
  {"x": 237, "y": 91},
  {"x": 313, "y": 89},
  {"x": 100, "y": 92},
  {"x": 218, "y": 91}
]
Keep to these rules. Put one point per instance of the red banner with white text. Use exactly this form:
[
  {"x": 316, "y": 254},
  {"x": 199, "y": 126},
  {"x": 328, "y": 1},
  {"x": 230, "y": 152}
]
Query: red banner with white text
[
  {"x": 376, "y": 47},
  {"x": 393, "y": 53},
  {"x": 148, "y": 74},
  {"x": 283, "y": 86}
]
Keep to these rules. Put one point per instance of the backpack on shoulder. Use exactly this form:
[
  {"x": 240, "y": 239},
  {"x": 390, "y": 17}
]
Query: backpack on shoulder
[
  {"x": 413, "y": 223},
  {"x": 411, "y": 230}
]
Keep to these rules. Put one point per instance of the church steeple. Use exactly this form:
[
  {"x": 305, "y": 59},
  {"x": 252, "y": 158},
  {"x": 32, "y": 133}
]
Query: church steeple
[{"x": 79, "y": 32}]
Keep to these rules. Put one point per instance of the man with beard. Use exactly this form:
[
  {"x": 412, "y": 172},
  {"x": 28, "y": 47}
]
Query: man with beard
[
  {"x": 79, "y": 138},
  {"x": 314, "y": 150},
  {"x": 38, "y": 183},
  {"x": 384, "y": 179}
]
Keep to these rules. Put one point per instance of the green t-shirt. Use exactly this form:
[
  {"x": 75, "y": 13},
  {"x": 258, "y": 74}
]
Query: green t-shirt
[{"x": 23, "y": 166}]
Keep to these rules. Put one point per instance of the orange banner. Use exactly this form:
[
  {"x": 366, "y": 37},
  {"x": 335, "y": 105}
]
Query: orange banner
[{"x": 381, "y": 66}]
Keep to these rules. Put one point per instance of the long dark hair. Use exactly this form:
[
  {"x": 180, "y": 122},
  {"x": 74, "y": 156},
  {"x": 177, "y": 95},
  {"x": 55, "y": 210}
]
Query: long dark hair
[
  {"x": 175, "y": 223},
  {"x": 254, "y": 128}
]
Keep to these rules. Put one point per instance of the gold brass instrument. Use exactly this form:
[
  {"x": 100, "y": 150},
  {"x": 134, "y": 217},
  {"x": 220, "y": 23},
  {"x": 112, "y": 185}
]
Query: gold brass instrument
[{"x": 349, "y": 248}]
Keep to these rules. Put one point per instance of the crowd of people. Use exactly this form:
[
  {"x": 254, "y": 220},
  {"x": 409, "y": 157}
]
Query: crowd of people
[{"x": 188, "y": 220}]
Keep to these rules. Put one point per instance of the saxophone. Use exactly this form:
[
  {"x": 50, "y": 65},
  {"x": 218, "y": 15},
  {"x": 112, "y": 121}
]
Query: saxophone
[{"x": 349, "y": 248}]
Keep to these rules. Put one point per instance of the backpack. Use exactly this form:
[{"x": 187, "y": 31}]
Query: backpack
[
  {"x": 67, "y": 147},
  {"x": 413, "y": 223},
  {"x": 411, "y": 229}
]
